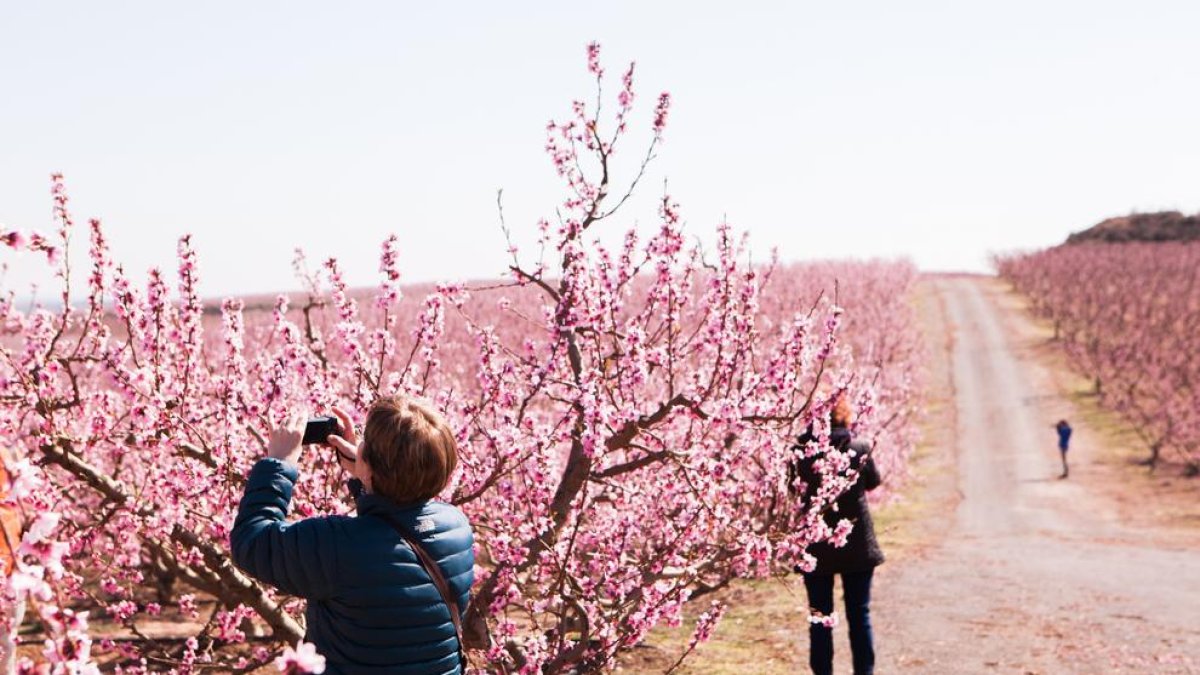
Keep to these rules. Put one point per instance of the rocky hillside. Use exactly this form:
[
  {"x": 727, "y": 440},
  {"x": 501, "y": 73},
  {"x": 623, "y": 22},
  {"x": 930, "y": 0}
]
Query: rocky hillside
[{"x": 1161, "y": 226}]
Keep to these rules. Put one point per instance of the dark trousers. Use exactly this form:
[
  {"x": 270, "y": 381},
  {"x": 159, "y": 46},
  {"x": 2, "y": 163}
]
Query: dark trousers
[{"x": 857, "y": 589}]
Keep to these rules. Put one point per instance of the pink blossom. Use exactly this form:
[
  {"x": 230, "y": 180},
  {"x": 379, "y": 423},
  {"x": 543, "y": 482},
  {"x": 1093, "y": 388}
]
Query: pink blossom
[
  {"x": 818, "y": 619},
  {"x": 121, "y": 611},
  {"x": 14, "y": 239},
  {"x": 593, "y": 58},
  {"x": 660, "y": 113},
  {"x": 187, "y": 606},
  {"x": 303, "y": 659},
  {"x": 841, "y": 533},
  {"x": 42, "y": 527},
  {"x": 707, "y": 623}
]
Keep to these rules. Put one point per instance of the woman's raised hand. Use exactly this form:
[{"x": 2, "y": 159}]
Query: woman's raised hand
[
  {"x": 345, "y": 443},
  {"x": 284, "y": 443}
]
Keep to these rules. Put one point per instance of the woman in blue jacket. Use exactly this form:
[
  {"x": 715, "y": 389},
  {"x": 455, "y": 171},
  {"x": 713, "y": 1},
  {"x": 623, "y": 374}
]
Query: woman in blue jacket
[{"x": 372, "y": 606}]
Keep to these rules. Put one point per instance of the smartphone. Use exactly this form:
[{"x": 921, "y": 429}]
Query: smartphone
[{"x": 320, "y": 428}]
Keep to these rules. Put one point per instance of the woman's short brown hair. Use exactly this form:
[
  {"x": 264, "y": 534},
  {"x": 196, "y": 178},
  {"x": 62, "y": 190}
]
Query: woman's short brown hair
[
  {"x": 410, "y": 449},
  {"x": 842, "y": 411}
]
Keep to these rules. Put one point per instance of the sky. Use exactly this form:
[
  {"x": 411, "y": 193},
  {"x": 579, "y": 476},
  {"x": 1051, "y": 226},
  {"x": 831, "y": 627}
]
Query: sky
[{"x": 937, "y": 131}]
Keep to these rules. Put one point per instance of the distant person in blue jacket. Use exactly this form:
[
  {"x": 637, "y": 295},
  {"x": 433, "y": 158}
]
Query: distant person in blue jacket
[
  {"x": 372, "y": 607},
  {"x": 1064, "y": 439}
]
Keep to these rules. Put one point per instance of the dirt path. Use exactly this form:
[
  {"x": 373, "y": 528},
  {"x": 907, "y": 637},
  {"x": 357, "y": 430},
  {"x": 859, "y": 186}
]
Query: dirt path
[{"x": 1034, "y": 574}]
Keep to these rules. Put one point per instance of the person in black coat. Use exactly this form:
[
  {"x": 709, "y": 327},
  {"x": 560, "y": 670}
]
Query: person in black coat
[{"x": 855, "y": 561}]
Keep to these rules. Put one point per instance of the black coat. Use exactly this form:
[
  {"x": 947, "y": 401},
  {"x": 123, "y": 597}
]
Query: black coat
[{"x": 861, "y": 551}]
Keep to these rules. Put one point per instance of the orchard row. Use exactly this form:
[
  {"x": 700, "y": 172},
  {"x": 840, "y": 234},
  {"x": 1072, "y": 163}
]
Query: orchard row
[
  {"x": 1129, "y": 317},
  {"x": 625, "y": 420}
]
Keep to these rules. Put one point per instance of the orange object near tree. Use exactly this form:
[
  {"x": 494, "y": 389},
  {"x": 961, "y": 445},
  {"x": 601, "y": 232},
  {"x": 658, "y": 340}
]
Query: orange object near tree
[{"x": 11, "y": 523}]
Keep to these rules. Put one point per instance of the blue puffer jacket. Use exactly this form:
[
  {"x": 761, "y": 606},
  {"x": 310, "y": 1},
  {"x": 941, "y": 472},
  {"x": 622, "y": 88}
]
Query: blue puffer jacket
[{"x": 372, "y": 609}]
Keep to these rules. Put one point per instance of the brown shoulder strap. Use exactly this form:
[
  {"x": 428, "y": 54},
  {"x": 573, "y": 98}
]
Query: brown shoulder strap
[{"x": 439, "y": 580}]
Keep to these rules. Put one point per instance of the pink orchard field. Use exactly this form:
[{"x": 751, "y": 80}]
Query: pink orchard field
[
  {"x": 625, "y": 420},
  {"x": 1129, "y": 317}
]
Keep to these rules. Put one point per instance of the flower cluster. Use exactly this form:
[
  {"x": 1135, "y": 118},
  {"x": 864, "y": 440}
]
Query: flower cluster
[{"x": 303, "y": 659}]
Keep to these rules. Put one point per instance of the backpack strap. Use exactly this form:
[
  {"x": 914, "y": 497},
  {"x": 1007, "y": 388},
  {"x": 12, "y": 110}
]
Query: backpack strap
[{"x": 439, "y": 580}]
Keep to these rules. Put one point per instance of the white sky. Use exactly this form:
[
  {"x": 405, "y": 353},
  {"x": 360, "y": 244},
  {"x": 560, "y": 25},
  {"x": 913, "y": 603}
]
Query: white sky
[{"x": 935, "y": 130}]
